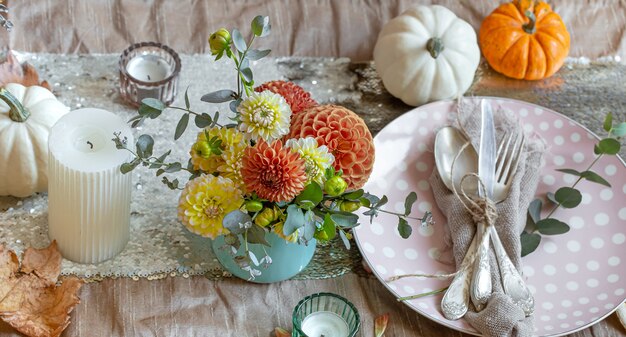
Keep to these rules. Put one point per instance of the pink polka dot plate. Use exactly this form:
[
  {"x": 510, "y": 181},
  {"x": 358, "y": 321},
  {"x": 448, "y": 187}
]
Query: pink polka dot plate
[{"x": 577, "y": 278}]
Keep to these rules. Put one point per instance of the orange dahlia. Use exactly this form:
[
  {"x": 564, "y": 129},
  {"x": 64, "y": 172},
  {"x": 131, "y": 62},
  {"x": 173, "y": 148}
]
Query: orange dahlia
[
  {"x": 272, "y": 171},
  {"x": 297, "y": 98},
  {"x": 346, "y": 136}
]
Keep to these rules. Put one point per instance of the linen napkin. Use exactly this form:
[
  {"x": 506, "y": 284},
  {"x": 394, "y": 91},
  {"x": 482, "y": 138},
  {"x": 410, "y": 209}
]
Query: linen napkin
[{"x": 500, "y": 317}]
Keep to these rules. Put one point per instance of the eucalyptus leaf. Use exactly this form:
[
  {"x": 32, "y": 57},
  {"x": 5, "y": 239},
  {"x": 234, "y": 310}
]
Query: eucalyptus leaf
[
  {"x": 247, "y": 74},
  {"x": 203, "y": 120},
  {"x": 355, "y": 195},
  {"x": 151, "y": 108},
  {"x": 403, "y": 228},
  {"x": 619, "y": 130},
  {"x": 608, "y": 122},
  {"x": 295, "y": 220},
  {"x": 408, "y": 203},
  {"x": 238, "y": 40},
  {"x": 594, "y": 177},
  {"x": 173, "y": 167},
  {"x": 261, "y": 26},
  {"x": 345, "y": 219},
  {"x": 256, "y": 234},
  {"x": 551, "y": 226},
  {"x": 568, "y": 197},
  {"x": 236, "y": 221},
  {"x": 609, "y": 146},
  {"x": 187, "y": 104},
  {"x": 127, "y": 167},
  {"x": 570, "y": 171},
  {"x": 144, "y": 145},
  {"x": 534, "y": 210},
  {"x": 372, "y": 198},
  {"x": 256, "y": 54},
  {"x": 161, "y": 159},
  {"x": 344, "y": 238},
  {"x": 312, "y": 193},
  {"x": 530, "y": 242},
  {"x": 219, "y": 96},
  {"x": 382, "y": 201},
  {"x": 309, "y": 226},
  {"x": 234, "y": 104},
  {"x": 551, "y": 197},
  {"x": 159, "y": 172},
  {"x": 181, "y": 126}
]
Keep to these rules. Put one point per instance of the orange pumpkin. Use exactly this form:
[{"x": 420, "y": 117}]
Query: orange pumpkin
[{"x": 524, "y": 40}]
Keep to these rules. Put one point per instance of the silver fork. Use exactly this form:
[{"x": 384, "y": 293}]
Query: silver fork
[{"x": 509, "y": 153}]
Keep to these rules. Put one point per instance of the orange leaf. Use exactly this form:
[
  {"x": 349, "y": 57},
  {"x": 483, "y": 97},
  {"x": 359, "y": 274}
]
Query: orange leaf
[
  {"x": 45, "y": 263},
  {"x": 11, "y": 71},
  {"x": 280, "y": 332},
  {"x": 380, "y": 325},
  {"x": 30, "y": 300}
]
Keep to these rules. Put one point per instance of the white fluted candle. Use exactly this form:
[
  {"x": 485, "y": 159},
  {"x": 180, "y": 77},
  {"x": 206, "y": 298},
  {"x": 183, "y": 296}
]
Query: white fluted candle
[{"x": 88, "y": 196}]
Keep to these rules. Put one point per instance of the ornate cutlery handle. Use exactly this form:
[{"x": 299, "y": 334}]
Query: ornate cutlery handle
[
  {"x": 512, "y": 281},
  {"x": 456, "y": 299},
  {"x": 480, "y": 289}
]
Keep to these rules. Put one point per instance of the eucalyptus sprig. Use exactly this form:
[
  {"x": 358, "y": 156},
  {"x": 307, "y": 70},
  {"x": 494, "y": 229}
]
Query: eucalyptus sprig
[{"x": 569, "y": 196}]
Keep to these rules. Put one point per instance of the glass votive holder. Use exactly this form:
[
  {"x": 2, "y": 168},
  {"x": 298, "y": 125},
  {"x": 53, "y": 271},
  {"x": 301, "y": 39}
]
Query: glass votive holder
[
  {"x": 325, "y": 315},
  {"x": 149, "y": 70}
]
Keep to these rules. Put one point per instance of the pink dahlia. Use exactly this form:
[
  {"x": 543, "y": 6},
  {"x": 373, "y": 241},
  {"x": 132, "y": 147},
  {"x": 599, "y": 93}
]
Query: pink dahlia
[
  {"x": 272, "y": 171},
  {"x": 297, "y": 98},
  {"x": 346, "y": 136}
]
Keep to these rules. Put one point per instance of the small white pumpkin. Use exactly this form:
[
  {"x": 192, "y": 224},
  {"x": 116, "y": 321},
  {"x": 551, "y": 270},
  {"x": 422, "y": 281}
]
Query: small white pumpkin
[
  {"x": 426, "y": 54},
  {"x": 26, "y": 116}
]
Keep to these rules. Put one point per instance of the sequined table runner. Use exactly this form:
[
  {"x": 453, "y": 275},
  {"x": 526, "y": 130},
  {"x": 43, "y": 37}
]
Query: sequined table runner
[{"x": 160, "y": 246}]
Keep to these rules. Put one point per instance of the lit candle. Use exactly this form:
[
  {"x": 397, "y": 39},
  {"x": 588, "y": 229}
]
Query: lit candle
[
  {"x": 88, "y": 196},
  {"x": 325, "y": 324}
]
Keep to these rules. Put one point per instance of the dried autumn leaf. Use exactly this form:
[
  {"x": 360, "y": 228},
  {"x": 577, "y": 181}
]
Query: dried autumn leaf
[
  {"x": 30, "y": 300},
  {"x": 12, "y": 71},
  {"x": 380, "y": 324},
  {"x": 280, "y": 332}
]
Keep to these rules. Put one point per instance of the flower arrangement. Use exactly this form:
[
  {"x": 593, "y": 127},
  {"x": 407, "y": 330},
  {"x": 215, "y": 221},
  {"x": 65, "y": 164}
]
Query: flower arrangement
[{"x": 286, "y": 164}]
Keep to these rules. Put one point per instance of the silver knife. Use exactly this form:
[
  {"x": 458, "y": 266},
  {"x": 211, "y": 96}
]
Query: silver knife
[{"x": 481, "y": 287}]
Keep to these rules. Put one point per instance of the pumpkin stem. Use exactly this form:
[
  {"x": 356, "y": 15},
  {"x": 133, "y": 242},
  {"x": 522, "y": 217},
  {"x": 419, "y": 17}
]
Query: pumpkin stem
[
  {"x": 434, "y": 46},
  {"x": 17, "y": 112},
  {"x": 532, "y": 20}
]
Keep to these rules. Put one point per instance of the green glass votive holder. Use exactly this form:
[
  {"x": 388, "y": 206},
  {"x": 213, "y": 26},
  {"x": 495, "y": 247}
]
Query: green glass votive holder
[{"x": 325, "y": 315}]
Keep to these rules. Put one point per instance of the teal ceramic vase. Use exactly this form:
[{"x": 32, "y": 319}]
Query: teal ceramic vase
[{"x": 288, "y": 259}]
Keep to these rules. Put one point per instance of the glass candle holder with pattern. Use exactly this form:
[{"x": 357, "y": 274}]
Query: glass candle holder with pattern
[{"x": 327, "y": 315}]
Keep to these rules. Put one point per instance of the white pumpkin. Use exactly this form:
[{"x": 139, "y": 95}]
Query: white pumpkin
[
  {"x": 426, "y": 54},
  {"x": 26, "y": 116}
]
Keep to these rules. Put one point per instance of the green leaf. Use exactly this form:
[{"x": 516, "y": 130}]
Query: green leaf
[
  {"x": 173, "y": 167},
  {"x": 187, "y": 104},
  {"x": 256, "y": 234},
  {"x": 608, "y": 122},
  {"x": 232, "y": 240},
  {"x": 551, "y": 197},
  {"x": 534, "y": 210},
  {"x": 309, "y": 227},
  {"x": 345, "y": 219},
  {"x": 568, "y": 197},
  {"x": 344, "y": 238},
  {"x": 159, "y": 172},
  {"x": 255, "y": 54},
  {"x": 144, "y": 146},
  {"x": 182, "y": 126},
  {"x": 261, "y": 26},
  {"x": 234, "y": 104},
  {"x": 219, "y": 96},
  {"x": 594, "y": 177},
  {"x": 312, "y": 193},
  {"x": 151, "y": 107},
  {"x": 551, "y": 226},
  {"x": 236, "y": 221},
  {"x": 238, "y": 40},
  {"x": 570, "y": 171},
  {"x": 295, "y": 220},
  {"x": 203, "y": 120},
  {"x": 353, "y": 195},
  {"x": 530, "y": 242},
  {"x": 619, "y": 130},
  {"x": 329, "y": 227},
  {"x": 247, "y": 74},
  {"x": 408, "y": 202},
  {"x": 609, "y": 146},
  {"x": 161, "y": 159},
  {"x": 127, "y": 167},
  {"x": 403, "y": 228},
  {"x": 382, "y": 201}
]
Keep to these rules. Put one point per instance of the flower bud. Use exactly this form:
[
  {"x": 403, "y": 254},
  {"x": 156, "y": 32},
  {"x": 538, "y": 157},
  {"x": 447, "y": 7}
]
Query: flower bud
[
  {"x": 253, "y": 206},
  {"x": 335, "y": 186},
  {"x": 321, "y": 235},
  {"x": 219, "y": 41},
  {"x": 349, "y": 206},
  {"x": 266, "y": 217},
  {"x": 202, "y": 149}
]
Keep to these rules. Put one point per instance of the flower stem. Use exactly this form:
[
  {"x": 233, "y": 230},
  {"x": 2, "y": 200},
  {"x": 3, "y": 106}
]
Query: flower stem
[{"x": 17, "y": 113}]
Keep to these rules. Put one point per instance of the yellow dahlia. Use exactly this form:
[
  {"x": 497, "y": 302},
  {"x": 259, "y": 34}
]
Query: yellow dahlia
[
  {"x": 316, "y": 158},
  {"x": 205, "y": 201},
  {"x": 264, "y": 115},
  {"x": 231, "y": 167},
  {"x": 207, "y": 155}
]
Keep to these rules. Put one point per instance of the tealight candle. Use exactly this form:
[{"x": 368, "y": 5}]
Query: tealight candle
[
  {"x": 88, "y": 196},
  {"x": 325, "y": 315},
  {"x": 149, "y": 70}
]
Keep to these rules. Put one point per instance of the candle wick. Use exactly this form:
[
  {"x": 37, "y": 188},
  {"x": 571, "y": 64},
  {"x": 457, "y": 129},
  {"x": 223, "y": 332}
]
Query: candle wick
[
  {"x": 148, "y": 77},
  {"x": 90, "y": 145}
]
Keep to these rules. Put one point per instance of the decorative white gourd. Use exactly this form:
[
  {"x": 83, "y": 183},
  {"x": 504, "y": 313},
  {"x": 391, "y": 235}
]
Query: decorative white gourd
[
  {"x": 426, "y": 54},
  {"x": 26, "y": 116}
]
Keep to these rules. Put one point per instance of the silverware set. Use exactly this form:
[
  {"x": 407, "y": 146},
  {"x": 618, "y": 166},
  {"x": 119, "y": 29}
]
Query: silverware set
[{"x": 496, "y": 165}]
